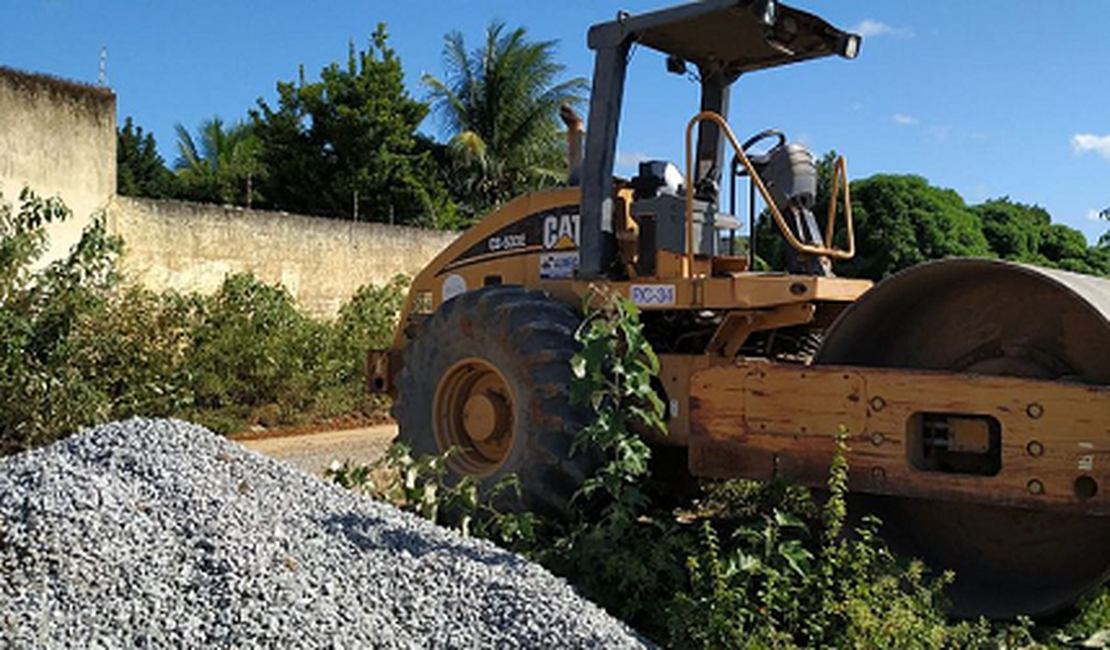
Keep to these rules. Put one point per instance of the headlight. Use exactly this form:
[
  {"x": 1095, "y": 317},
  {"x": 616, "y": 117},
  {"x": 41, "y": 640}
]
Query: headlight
[{"x": 849, "y": 46}]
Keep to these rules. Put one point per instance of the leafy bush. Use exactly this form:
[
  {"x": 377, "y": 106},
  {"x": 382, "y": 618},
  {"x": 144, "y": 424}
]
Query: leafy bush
[
  {"x": 612, "y": 375},
  {"x": 779, "y": 579},
  {"x": 366, "y": 322},
  {"x": 252, "y": 348},
  {"x": 420, "y": 486},
  {"x": 76, "y": 349},
  {"x": 742, "y": 564},
  {"x": 133, "y": 349},
  {"x": 253, "y": 358},
  {"x": 619, "y": 552},
  {"x": 40, "y": 392}
]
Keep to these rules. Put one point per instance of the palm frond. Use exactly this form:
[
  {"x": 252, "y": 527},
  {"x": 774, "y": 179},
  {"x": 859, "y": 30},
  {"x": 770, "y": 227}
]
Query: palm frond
[
  {"x": 499, "y": 105},
  {"x": 187, "y": 155}
]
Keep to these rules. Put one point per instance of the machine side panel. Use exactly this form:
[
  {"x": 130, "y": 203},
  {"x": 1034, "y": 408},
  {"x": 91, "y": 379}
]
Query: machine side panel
[{"x": 998, "y": 440}]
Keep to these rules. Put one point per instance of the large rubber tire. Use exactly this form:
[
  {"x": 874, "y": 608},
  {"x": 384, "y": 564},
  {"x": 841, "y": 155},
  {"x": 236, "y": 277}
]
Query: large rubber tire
[{"x": 504, "y": 354}]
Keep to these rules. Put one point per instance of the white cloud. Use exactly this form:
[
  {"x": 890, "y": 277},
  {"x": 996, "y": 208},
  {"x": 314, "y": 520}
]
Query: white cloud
[
  {"x": 1084, "y": 142},
  {"x": 1094, "y": 215},
  {"x": 630, "y": 159},
  {"x": 872, "y": 28},
  {"x": 904, "y": 119}
]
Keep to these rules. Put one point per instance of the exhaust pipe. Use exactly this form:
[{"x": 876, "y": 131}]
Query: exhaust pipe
[{"x": 574, "y": 142}]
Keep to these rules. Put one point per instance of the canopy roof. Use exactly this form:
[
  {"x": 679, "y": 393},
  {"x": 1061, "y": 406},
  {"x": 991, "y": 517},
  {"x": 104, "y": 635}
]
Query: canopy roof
[{"x": 729, "y": 36}]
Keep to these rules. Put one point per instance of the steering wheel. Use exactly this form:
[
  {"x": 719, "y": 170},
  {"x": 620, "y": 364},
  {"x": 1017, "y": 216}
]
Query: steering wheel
[
  {"x": 758, "y": 160},
  {"x": 763, "y": 135}
]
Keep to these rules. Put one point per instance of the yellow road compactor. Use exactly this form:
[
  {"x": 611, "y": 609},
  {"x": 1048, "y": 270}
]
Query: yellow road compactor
[{"x": 975, "y": 393}]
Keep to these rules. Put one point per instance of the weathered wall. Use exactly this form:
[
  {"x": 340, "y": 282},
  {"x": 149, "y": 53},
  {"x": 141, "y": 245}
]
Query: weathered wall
[
  {"x": 192, "y": 247},
  {"x": 59, "y": 138}
]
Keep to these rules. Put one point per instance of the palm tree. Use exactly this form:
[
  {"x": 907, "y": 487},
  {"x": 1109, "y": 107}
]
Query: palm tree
[
  {"x": 500, "y": 106},
  {"x": 220, "y": 165}
]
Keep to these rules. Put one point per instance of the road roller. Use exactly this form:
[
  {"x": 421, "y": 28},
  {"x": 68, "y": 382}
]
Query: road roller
[{"x": 974, "y": 393}]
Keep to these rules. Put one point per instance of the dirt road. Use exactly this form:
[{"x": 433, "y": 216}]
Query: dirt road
[{"x": 313, "y": 452}]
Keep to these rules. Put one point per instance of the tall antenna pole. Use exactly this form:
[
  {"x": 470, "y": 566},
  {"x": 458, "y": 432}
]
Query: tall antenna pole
[{"x": 102, "y": 78}]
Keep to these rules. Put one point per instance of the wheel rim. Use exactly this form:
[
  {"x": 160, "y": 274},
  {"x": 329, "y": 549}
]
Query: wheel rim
[{"x": 473, "y": 413}]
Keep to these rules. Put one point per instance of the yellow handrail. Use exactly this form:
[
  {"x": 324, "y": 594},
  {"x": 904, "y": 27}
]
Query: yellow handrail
[{"x": 840, "y": 177}]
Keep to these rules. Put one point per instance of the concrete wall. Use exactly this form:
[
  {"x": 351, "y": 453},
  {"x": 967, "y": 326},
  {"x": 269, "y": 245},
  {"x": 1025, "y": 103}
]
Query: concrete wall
[
  {"x": 59, "y": 138},
  {"x": 192, "y": 247}
]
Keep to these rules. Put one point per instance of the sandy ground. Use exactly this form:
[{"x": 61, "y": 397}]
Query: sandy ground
[{"x": 313, "y": 452}]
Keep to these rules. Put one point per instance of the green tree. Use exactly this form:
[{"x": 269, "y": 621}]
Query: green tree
[
  {"x": 1014, "y": 231},
  {"x": 1025, "y": 233},
  {"x": 1066, "y": 248},
  {"x": 346, "y": 145},
  {"x": 1104, "y": 241},
  {"x": 220, "y": 165},
  {"x": 140, "y": 170},
  {"x": 900, "y": 221},
  {"x": 499, "y": 104},
  {"x": 903, "y": 220}
]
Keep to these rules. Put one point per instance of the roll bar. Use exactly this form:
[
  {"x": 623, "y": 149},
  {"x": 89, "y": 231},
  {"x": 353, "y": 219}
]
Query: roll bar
[{"x": 840, "y": 178}]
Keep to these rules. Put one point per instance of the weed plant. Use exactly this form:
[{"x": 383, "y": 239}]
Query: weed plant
[
  {"x": 740, "y": 564},
  {"x": 737, "y": 564},
  {"x": 79, "y": 346}
]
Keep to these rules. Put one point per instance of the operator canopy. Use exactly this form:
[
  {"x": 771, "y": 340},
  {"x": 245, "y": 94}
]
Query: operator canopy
[
  {"x": 729, "y": 37},
  {"x": 723, "y": 39}
]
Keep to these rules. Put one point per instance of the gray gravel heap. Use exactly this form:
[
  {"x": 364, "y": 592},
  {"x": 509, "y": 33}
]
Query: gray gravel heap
[{"x": 152, "y": 533}]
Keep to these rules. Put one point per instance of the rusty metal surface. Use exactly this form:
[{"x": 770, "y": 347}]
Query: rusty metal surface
[
  {"x": 760, "y": 420},
  {"x": 981, "y": 316},
  {"x": 993, "y": 318}
]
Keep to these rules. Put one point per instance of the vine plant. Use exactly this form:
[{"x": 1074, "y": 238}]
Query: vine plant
[{"x": 612, "y": 376}]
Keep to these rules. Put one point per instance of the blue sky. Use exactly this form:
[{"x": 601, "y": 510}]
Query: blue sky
[{"x": 991, "y": 98}]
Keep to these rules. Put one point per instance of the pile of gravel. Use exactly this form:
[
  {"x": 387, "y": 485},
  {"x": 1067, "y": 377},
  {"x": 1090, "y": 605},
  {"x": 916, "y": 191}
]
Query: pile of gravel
[{"x": 158, "y": 532}]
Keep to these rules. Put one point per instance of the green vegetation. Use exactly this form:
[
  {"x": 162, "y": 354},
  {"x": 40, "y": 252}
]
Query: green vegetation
[
  {"x": 1025, "y": 233},
  {"x": 730, "y": 564},
  {"x": 902, "y": 220},
  {"x": 40, "y": 391},
  {"x": 420, "y": 486},
  {"x": 221, "y": 165},
  {"x": 500, "y": 105},
  {"x": 79, "y": 347},
  {"x": 140, "y": 170},
  {"x": 346, "y": 145}
]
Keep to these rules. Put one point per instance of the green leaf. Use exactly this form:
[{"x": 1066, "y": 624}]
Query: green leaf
[
  {"x": 788, "y": 520},
  {"x": 797, "y": 557}
]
